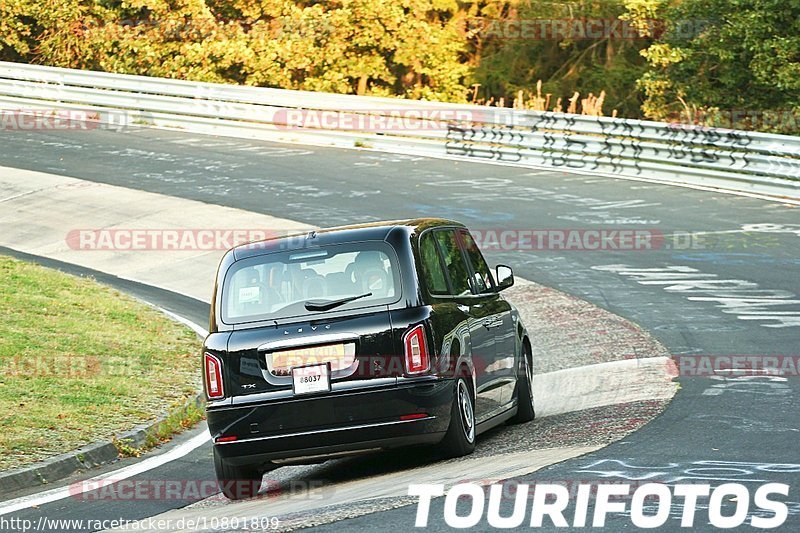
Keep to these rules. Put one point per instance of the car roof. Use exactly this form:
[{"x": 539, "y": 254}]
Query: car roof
[{"x": 340, "y": 234}]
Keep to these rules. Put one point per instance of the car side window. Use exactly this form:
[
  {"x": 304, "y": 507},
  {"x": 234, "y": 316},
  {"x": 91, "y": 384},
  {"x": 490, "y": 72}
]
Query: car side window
[
  {"x": 432, "y": 265},
  {"x": 483, "y": 276},
  {"x": 454, "y": 261}
]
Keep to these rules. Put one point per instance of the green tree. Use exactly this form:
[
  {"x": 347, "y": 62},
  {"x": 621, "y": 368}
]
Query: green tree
[
  {"x": 513, "y": 53},
  {"x": 407, "y": 48}
]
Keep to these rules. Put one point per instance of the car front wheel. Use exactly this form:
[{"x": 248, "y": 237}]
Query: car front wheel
[
  {"x": 460, "y": 437},
  {"x": 236, "y": 482}
]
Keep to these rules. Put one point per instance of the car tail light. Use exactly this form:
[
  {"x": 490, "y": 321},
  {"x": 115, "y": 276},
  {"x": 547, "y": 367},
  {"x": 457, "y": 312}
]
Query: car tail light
[
  {"x": 213, "y": 371},
  {"x": 417, "y": 360}
]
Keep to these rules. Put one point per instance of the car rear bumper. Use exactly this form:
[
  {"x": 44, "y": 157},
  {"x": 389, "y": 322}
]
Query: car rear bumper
[{"x": 337, "y": 422}]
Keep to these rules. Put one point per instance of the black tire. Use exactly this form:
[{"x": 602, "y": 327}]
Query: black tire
[
  {"x": 526, "y": 410},
  {"x": 460, "y": 437},
  {"x": 237, "y": 482}
]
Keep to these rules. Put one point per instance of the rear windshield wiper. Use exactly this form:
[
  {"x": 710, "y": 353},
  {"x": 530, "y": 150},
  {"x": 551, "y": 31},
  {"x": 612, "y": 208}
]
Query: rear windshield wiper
[{"x": 327, "y": 305}]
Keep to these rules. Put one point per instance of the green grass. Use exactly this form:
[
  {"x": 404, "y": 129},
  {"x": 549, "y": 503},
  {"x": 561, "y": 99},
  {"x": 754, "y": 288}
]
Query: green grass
[{"x": 81, "y": 362}]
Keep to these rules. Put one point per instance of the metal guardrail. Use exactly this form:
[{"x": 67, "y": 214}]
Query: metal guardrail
[{"x": 754, "y": 162}]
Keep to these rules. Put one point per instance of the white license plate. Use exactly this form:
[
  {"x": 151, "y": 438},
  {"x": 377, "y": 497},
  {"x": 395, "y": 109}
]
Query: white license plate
[{"x": 312, "y": 378}]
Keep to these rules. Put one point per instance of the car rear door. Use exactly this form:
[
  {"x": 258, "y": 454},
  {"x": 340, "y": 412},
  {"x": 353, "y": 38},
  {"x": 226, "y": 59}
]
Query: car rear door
[
  {"x": 479, "y": 312},
  {"x": 496, "y": 315},
  {"x": 449, "y": 319}
]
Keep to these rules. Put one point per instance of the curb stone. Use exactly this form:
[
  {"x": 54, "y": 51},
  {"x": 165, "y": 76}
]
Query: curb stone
[{"x": 84, "y": 458}]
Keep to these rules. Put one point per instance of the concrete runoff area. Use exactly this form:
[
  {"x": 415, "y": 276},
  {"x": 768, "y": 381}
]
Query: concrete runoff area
[{"x": 40, "y": 210}]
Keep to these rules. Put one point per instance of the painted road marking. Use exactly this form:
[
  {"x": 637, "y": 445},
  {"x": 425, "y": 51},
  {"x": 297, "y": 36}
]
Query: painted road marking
[{"x": 745, "y": 299}]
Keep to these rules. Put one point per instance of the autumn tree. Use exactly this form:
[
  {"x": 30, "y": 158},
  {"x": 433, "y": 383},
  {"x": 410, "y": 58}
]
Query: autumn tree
[
  {"x": 684, "y": 57},
  {"x": 580, "y": 46},
  {"x": 718, "y": 57},
  {"x": 412, "y": 48}
]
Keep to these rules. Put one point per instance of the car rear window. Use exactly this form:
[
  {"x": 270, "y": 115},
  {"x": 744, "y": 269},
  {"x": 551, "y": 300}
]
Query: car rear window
[{"x": 279, "y": 285}]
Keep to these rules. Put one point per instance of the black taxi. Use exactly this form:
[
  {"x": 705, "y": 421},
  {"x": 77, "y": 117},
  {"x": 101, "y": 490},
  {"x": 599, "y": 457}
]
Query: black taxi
[{"x": 359, "y": 338}]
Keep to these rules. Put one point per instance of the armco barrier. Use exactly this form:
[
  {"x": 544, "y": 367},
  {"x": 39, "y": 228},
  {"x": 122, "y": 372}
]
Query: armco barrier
[{"x": 753, "y": 162}]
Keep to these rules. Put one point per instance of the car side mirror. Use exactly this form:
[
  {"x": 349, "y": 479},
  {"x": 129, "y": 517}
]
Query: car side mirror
[{"x": 504, "y": 276}]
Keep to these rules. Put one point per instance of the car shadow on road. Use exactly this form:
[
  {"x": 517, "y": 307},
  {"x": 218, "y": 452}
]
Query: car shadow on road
[{"x": 598, "y": 426}]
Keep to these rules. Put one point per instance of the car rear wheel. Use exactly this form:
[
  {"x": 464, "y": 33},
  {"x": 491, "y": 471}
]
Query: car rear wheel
[
  {"x": 525, "y": 405},
  {"x": 460, "y": 437},
  {"x": 236, "y": 482}
]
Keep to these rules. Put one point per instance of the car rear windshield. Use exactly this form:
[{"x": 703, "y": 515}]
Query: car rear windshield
[{"x": 310, "y": 281}]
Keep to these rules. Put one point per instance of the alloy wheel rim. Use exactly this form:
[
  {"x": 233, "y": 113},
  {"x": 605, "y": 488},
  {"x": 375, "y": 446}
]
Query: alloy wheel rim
[{"x": 466, "y": 411}]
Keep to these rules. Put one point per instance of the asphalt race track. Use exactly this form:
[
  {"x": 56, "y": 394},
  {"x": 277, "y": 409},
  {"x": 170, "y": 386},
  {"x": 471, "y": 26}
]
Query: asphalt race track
[{"x": 723, "y": 279}]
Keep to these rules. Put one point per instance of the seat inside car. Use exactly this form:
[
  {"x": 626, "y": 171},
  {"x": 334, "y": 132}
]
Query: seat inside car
[
  {"x": 246, "y": 301},
  {"x": 338, "y": 284},
  {"x": 370, "y": 274},
  {"x": 314, "y": 286}
]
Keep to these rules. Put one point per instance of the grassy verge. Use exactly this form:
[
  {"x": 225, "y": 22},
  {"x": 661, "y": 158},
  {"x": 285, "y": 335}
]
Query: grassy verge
[{"x": 81, "y": 362}]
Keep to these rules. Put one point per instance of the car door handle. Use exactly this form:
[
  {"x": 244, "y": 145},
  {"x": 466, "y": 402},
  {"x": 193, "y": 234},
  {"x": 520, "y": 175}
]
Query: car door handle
[{"x": 493, "y": 324}]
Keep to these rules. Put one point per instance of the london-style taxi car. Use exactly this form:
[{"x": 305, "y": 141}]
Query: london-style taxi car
[{"x": 359, "y": 338}]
